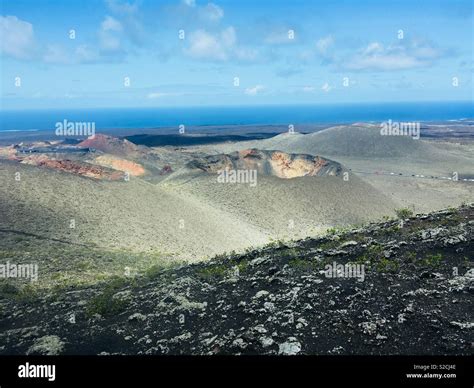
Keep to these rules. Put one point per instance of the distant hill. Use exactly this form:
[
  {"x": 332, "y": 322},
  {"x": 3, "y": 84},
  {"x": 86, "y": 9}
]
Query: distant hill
[
  {"x": 111, "y": 145},
  {"x": 358, "y": 141},
  {"x": 354, "y": 141}
]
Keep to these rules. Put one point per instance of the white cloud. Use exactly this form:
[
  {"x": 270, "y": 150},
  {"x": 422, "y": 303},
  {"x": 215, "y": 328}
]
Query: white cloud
[
  {"x": 211, "y": 12},
  {"x": 126, "y": 19},
  {"x": 16, "y": 37},
  {"x": 189, "y": 12},
  {"x": 228, "y": 37},
  {"x": 424, "y": 51},
  {"x": 204, "y": 45},
  {"x": 376, "y": 56},
  {"x": 323, "y": 45},
  {"x": 122, "y": 8},
  {"x": 85, "y": 54},
  {"x": 56, "y": 54},
  {"x": 109, "y": 43},
  {"x": 110, "y": 34},
  {"x": 326, "y": 87},
  {"x": 217, "y": 47},
  {"x": 111, "y": 24},
  {"x": 114, "y": 36},
  {"x": 254, "y": 90}
]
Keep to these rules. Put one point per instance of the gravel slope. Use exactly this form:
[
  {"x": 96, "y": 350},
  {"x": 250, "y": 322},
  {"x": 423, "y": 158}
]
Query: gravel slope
[{"x": 190, "y": 216}]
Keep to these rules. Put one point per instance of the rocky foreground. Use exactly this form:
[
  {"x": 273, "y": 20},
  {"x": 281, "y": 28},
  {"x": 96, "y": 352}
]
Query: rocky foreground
[{"x": 415, "y": 297}]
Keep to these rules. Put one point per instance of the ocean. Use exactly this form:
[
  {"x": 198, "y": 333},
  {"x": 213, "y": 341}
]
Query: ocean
[{"x": 38, "y": 120}]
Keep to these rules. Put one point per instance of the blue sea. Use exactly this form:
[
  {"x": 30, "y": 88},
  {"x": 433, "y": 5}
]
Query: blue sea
[{"x": 142, "y": 118}]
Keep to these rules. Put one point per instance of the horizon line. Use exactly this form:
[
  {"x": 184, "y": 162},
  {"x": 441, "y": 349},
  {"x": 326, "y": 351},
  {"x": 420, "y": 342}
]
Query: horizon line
[{"x": 258, "y": 105}]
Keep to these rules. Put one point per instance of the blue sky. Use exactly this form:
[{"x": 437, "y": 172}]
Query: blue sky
[{"x": 282, "y": 52}]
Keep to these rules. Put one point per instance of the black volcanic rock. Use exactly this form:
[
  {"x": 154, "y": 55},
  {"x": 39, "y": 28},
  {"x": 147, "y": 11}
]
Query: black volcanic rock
[{"x": 415, "y": 298}]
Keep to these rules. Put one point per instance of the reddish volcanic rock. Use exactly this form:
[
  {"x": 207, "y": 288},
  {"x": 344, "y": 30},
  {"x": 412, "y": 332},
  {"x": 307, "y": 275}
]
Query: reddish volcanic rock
[
  {"x": 8, "y": 153},
  {"x": 134, "y": 169},
  {"x": 291, "y": 166},
  {"x": 276, "y": 163},
  {"x": 69, "y": 166},
  {"x": 110, "y": 145}
]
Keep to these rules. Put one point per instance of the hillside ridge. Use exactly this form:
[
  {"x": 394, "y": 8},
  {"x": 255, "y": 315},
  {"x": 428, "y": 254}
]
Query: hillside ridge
[{"x": 412, "y": 295}]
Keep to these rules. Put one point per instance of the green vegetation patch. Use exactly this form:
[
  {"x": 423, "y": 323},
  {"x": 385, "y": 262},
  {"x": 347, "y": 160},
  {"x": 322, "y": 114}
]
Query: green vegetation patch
[
  {"x": 105, "y": 304},
  {"x": 387, "y": 265},
  {"x": 303, "y": 264},
  {"x": 212, "y": 271},
  {"x": 432, "y": 260},
  {"x": 24, "y": 293},
  {"x": 404, "y": 212},
  {"x": 374, "y": 258}
]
